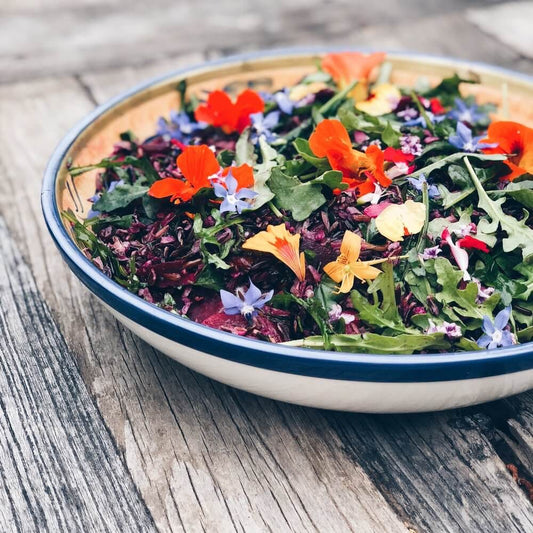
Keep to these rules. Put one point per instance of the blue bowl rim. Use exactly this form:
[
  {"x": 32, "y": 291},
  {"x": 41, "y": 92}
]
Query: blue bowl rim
[{"x": 262, "y": 354}]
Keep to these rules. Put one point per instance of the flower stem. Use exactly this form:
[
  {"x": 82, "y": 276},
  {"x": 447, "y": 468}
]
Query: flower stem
[
  {"x": 275, "y": 210},
  {"x": 422, "y": 111},
  {"x": 337, "y": 98},
  {"x": 423, "y": 233}
]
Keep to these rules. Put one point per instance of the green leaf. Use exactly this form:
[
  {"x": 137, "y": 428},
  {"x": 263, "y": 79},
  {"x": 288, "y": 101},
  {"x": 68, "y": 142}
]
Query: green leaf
[
  {"x": 378, "y": 344},
  {"x": 519, "y": 235},
  {"x": 211, "y": 278},
  {"x": 291, "y": 194},
  {"x": 331, "y": 178},
  {"x": 384, "y": 284},
  {"x": 262, "y": 172},
  {"x": 461, "y": 301},
  {"x": 303, "y": 149},
  {"x": 244, "y": 150},
  {"x": 390, "y": 136},
  {"x": 448, "y": 88},
  {"x": 526, "y": 281},
  {"x": 121, "y": 196},
  {"x": 454, "y": 157},
  {"x": 521, "y": 191}
]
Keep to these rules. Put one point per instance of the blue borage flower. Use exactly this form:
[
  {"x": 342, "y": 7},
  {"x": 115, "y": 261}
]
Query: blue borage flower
[
  {"x": 463, "y": 112},
  {"x": 418, "y": 184},
  {"x": 247, "y": 303},
  {"x": 262, "y": 126},
  {"x": 464, "y": 141},
  {"x": 421, "y": 121},
  {"x": 179, "y": 127},
  {"x": 495, "y": 333},
  {"x": 234, "y": 201}
]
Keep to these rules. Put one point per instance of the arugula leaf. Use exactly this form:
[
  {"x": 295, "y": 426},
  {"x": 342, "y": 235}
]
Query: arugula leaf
[
  {"x": 521, "y": 191},
  {"x": 121, "y": 196},
  {"x": 519, "y": 235},
  {"x": 291, "y": 194},
  {"x": 373, "y": 343},
  {"x": 262, "y": 171},
  {"x": 391, "y": 136},
  {"x": 461, "y": 302},
  {"x": 244, "y": 150},
  {"x": 526, "y": 281},
  {"x": 454, "y": 157},
  {"x": 448, "y": 89}
]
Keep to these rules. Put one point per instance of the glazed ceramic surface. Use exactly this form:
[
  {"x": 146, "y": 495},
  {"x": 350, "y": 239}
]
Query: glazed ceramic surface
[{"x": 331, "y": 380}]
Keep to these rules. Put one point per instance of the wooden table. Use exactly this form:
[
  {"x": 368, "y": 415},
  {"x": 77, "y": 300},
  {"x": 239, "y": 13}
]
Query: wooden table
[{"x": 98, "y": 432}]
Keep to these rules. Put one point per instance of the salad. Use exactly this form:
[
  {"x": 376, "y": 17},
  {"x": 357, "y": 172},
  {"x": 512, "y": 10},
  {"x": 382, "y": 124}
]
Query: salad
[{"x": 343, "y": 213}]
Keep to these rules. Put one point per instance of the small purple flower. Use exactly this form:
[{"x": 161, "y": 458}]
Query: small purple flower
[
  {"x": 262, "y": 126},
  {"x": 284, "y": 102},
  {"x": 179, "y": 127},
  {"x": 462, "y": 112},
  {"x": 408, "y": 113},
  {"x": 418, "y": 184},
  {"x": 246, "y": 303},
  {"x": 410, "y": 144},
  {"x": 360, "y": 137},
  {"x": 430, "y": 253},
  {"x": 450, "y": 329},
  {"x": 482, "y": 292},
  {"x": 495, "y": 335},
  {"x": 463, "y": 139},
  {"x": 421, "y": 121},
  {"x": 233, "y": 201}
]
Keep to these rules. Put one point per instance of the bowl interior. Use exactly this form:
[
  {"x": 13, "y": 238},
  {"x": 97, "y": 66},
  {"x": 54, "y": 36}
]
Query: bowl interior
[{"x": 139, "y": 110}]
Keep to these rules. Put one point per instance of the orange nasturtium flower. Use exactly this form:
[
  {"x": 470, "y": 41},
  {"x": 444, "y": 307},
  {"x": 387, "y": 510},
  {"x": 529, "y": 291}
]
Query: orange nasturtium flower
[
  {"x": 360, "y": 170},
  {"x": 282, "y": 244},
  {"x": 516, "y": 140},
  {"x": 221, "y": 112},
  {"x": 197, "y": 164},
  {"x": 346, "y": 67},
  {"x": 347, "y": 266}
]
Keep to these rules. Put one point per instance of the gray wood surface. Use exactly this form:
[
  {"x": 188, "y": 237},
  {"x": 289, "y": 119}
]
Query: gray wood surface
[
  {"x": 202, "y": 456},
  {"x": 59, "y": 467}
]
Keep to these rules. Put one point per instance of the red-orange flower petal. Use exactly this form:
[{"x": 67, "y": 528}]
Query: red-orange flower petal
[
  {"x": 329, "y": 134},
  {"x": 244, "y": 175},
  {"x": 345, "y": 67},
  {"x": 177, "y": 189},
  {"x": 515, "y": 139},
  {"x": 197, "y": 163},
  {"x": 221, "y": 112},
  {"x": 377, "y": 157}
]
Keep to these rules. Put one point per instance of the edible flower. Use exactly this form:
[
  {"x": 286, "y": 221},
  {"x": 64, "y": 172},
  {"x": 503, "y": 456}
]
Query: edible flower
[
  {"x": 304, "y": 91},
  {"x": 262, "y": 126},
  {"x": 347, "y": 266},
  {"x": 513, "y": 139},
  {"x": 347, "y": 67},
  {"x": 463, "y": 112},
  {"x": 418, "y": 184},
  {"x": 247, "y": 303},
  {"x": 179, "y": 127},
  {"x": 233, "y": 201},
  {"x": 450, "y": 329},
  {"x": 495, "y": 334},
  {"x": 330, "y": 139},
  {"x": 196, "y": 163},
  {"x": 282, "y": 244},
  {"x": 402, "y": 162},
  {"x": 410, "y": 144},
  {"x": 459, "y": 248},
  {"x": 430, "y": 253},
  {"x": 463, "y": 140},
  {"x": 221, "y": 112},
  {"x": 399, "y": 220},
  {"x": 383, "y": 99}
]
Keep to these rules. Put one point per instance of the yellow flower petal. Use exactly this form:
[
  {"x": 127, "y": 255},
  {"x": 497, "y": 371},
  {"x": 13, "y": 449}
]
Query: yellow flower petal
[
  {"x": 383, "y": 99},
  {"x": 347, "y": 283},
  {"x": 335, "y": 270},
  {"x": 396, "y": 221},
  {"x": 363, "y": 271},
  {"x": 282, "y": 244},
  {"x": 351, "y": 246},
  {"x": 298, "y": 92}
]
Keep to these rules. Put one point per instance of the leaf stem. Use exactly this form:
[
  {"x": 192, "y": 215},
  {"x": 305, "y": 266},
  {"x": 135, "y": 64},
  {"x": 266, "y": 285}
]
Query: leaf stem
[
  {"x": 422, "y": 111},
  {"x": 274, "y": 209},
  {"x": 337, "y": 98}
]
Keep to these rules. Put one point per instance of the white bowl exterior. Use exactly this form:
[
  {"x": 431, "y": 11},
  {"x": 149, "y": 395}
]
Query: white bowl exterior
[{"x": 340, "y": 395}]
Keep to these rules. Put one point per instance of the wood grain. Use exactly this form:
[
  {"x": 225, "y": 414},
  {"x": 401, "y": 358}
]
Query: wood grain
[
  {"x": 59, "y": 468},
  {"x": 206, "y": 457}
]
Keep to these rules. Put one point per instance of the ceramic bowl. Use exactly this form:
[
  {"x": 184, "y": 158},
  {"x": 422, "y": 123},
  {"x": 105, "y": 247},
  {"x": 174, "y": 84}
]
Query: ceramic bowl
[{"x": 352, "y": 382}]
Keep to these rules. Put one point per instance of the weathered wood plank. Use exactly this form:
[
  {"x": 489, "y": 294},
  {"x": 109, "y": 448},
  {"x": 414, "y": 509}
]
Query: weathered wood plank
[
  {"x": 97, "y": 35},
  {"x": 60, "y": 470},
  {"x": 194, "y": 465},
  {"x": 513, "y": 28}
]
